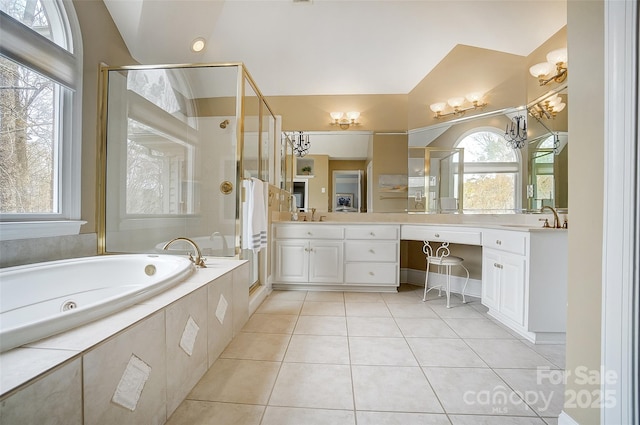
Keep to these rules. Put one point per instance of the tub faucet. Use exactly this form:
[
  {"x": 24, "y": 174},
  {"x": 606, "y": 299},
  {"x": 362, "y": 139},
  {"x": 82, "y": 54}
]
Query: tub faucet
[
  {"x": 556, "y": 220},
  {"x": 199, "y": 260}
]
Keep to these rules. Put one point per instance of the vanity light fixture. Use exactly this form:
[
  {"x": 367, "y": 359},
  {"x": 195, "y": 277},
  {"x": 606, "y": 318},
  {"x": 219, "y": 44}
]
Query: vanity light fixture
[
  {"x": 556, "y": 61},
  {"x": 516, "y": 132},
  {"x": 344, "y": 121},
  {"x": 198, "y": 45},
  {"x": 548, "y": 108},
  {"x": 457, "y": 103}
]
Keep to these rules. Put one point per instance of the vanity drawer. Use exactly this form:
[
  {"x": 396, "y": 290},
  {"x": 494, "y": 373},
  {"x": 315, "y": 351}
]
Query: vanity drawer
[
  {"x": 372, "y": 232},
  {"x": 371, "y": 273},
  {"x": 433, "y": 234},
  {"x": 515, "y": 242},
  {"x": 314, "y": 231},
  {"x": 370, "y": 251}
]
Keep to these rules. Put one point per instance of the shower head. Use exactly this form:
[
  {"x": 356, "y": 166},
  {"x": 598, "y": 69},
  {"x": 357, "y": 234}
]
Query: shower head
[{"x": 224, "y": 124}]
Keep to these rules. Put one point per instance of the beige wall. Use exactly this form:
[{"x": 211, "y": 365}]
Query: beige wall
[
  {"x": 586, "y": 195},
  {"x": 380, "y": 112},
  {"x": 101, "y": 43},
  {"x": 390, "y": 153},
  {"x": 320, "y": 179},
  {"x": 467, "y": 69}
]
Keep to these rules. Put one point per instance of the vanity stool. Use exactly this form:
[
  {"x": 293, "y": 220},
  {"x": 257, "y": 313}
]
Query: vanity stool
[{"x": 444, "y": 260}]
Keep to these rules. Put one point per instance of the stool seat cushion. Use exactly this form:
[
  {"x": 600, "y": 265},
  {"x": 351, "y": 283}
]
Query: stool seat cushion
[{"x": 451, "y": 260}]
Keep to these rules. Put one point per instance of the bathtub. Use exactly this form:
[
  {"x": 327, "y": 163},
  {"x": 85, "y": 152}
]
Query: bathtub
[{"x": 43, "y": 299}]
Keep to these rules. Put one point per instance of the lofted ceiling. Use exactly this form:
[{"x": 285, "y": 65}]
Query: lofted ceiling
[{"x": 332, "y": 47}]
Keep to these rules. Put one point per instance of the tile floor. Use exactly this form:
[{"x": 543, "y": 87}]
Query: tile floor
[{"x": 311, "y": 358}]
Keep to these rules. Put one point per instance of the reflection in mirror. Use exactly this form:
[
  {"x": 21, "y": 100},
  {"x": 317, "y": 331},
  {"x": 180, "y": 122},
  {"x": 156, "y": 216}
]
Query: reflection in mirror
[
  {"x": 548, "y": 151},
  {"x": 435, "y": 180}
]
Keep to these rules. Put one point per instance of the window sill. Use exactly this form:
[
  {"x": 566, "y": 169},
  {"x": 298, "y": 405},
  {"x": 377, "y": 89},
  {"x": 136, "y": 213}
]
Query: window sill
[{"x": 38, "y": 229}]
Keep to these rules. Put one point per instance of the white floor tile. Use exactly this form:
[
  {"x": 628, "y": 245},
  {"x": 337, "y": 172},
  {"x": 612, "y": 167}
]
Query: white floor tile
[
  {"x": 379, "y": 351},
  {"x": 442, "y": 352},
  {"x": 301, "y": 416},
  {"x": 393, "y": 389},
  {"x": 318, "y": 349},
  {"x": 321, "y": 325},
  {"x": 313, "y": 385}
]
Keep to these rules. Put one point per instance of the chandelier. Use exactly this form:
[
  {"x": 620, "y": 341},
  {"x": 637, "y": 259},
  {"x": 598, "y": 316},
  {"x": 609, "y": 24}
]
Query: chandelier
[
  {"x": 301, "y": 144},
  {"x": 516, "y": 132}
]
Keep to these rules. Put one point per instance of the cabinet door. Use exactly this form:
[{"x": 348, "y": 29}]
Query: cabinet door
[
  {"x": 491, "y": 279},
  {"x": 512, "y": 287},
  {"x": 325, "y": 262},
  {"x": 292, "y": 261}
]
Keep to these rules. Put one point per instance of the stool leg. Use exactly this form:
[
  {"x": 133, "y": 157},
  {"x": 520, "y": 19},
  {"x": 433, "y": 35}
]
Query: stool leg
[
  {"x": 426, "y": 280},
  {"x": 448, "y": 289},
  {"x": 440, "y": 273},
  {"x": 465, "y": 283}
]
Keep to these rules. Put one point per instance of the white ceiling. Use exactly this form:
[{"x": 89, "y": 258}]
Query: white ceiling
[{"x": 332, "y": 46}]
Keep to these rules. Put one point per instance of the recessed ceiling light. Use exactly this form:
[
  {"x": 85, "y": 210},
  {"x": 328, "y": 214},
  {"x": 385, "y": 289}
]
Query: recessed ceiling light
[{"x": 198, "y": 44}]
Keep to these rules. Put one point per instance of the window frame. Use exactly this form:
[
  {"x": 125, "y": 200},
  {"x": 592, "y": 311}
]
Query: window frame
[
  {"x": 494, "y": 167},
  {"x": 29, "y": 49}
]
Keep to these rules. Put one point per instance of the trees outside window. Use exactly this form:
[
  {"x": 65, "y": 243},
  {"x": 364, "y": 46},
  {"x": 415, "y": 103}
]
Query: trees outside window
[
  {"x": 491, "y": 172},
  {"x": 39, "y": 112}
]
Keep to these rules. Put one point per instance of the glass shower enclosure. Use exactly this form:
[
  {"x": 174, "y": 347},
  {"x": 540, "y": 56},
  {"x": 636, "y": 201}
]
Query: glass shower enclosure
[{"x": 177, "y": 140}]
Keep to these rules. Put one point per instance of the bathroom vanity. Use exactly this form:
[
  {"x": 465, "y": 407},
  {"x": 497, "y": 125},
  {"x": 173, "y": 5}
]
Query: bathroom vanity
[{"x": 524, "y": 268}]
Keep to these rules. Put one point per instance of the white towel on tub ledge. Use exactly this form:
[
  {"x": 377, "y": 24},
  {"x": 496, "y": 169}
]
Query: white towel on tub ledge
[{"x": 254, "y": 215}]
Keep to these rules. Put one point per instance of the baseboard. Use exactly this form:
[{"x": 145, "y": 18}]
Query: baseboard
[
  {"x": 416, "y": 277},
  {"x": 565, "y": 419}
]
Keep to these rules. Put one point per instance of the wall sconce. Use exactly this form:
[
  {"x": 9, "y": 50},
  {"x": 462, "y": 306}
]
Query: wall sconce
[
  {"x": 457, "y": 104},
  {"x": 549, "y": 108},
  {"x": 516, "y": 132},
  {"x": 345, "y": 120},
  {"x": 556, "y": 60}
]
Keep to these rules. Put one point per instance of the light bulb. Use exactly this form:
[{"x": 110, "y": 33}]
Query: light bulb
[
  {"x": 198, "y": 44},
  {"x": 455, "y": 102},
  {"x": 541, "y": 69},
  {"x": 474, "y": 97},
  {"x": 557, "y": 56},
  {"x": 438, "y": 107},
  {"x": 353, "y": 115},
  {"x": 559, "y": 107}
]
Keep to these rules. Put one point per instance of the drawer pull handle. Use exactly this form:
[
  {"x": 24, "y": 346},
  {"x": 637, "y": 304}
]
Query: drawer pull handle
[
  {"x": 499, "y": 266},
  {"x": 437, "y": 235},
  {"x": 309, "y": 233},
  {"x": 498, "y": 242},
  {"x": 372, "y": 251},
  {"x": 371, "y": 274},
  {"x": 372, "y": 234},
  {"x": 307, "y": 250}
]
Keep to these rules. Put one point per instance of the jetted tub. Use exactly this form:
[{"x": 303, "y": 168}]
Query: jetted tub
[{"x": 39, "y": 300}]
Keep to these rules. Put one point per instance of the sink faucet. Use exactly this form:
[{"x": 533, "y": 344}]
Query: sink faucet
[
  {"x": 556, "y": 220},
  {"x": 199, "y": 260},
  {"x": 313, "y": 213}
]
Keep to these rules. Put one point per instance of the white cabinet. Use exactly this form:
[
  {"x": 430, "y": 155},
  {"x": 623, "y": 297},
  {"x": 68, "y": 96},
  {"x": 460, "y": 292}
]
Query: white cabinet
[
  {"x": 336, "y": 256},
  {"x": 372, "y": 255},
  {"x": 524, "y": 281},
  {"x": 503, "y": 283},
  {"x": 300, "y": 261},
  {"x": 308, "y": 254}
]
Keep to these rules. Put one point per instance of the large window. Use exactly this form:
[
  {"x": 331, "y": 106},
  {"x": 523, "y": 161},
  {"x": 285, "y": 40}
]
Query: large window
[
  {"x": 491, "y": 172},
  {"x": 40, "y": 83}
]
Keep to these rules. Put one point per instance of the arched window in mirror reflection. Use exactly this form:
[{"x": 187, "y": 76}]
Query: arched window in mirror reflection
[{"x": 491, "y": 172}]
